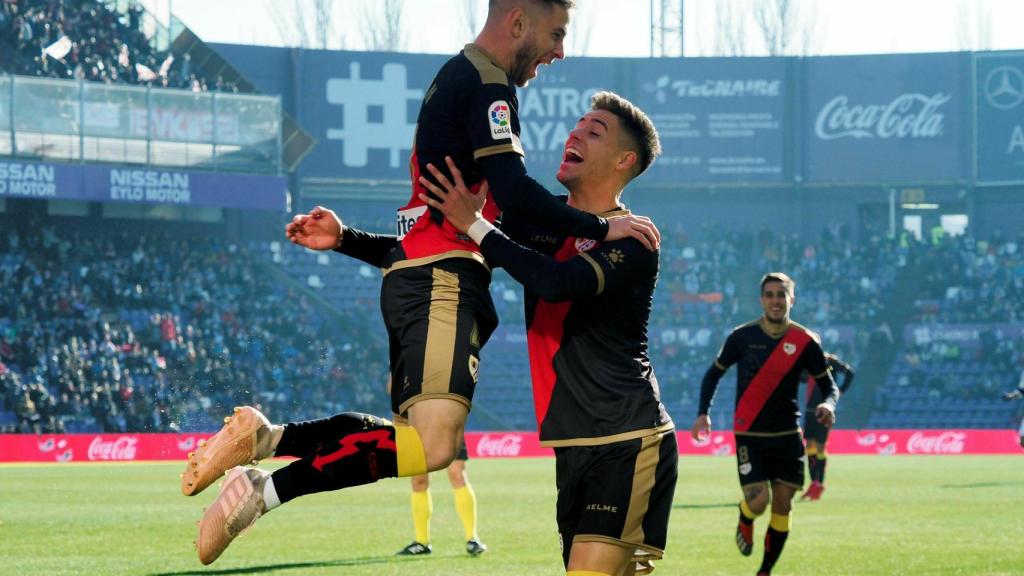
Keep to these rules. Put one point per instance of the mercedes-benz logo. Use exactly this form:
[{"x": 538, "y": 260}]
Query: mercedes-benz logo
[{"x": 1004, "y": 87}]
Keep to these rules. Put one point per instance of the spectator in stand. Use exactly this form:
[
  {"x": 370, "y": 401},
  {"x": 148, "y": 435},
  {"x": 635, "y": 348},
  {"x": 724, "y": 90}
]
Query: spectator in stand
[{"x": 103, "y": 45}]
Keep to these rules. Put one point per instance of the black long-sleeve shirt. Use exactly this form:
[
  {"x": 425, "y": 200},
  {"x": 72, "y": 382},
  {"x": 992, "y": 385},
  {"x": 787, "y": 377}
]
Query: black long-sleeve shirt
[{"x": 587, "y": 306}]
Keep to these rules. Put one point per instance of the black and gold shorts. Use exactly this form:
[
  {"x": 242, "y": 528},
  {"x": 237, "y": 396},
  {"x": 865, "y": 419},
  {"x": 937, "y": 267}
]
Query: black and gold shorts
[
  {"x": 775, "y": 458},
  {"x": 619, "y": 493},
  {"x": 438, "y": 317}
]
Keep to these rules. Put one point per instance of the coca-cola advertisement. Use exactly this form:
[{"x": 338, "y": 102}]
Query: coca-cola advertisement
[
  {"x": 96, "y": 447},
  {"x": 64, "y": 448},
  {"x": 885, "y": 118},
  {"x": 505, "y": 445},
  {"x": 923, "y": 442}
]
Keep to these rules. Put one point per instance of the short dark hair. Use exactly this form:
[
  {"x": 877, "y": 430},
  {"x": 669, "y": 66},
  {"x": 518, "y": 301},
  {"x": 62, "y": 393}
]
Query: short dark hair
[
  {"x": 786, "y": 281},
  {"x": 567, "y": 4},
  {"x": 637, "y": 127}
]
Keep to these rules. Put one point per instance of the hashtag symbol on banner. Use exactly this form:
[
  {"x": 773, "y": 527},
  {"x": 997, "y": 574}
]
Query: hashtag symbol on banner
[{"x": 374, "y": 114}]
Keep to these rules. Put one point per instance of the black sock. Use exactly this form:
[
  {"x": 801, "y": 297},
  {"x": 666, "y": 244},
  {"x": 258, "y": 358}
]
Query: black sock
[
  {"x": 774, "y": 541},
  {"x": 305, "y": 438},
  {"x": 348, "y": 449},
  {"x": 820, "y": 470},
  {"x": 812, "y": 466}
]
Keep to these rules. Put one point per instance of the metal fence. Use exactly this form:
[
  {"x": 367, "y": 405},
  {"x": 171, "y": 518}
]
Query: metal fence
[{"x": 47, "y": 119}]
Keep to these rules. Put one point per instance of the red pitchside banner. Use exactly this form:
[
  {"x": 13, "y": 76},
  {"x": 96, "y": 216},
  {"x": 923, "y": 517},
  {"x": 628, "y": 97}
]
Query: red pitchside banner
[{"x": 143, "y": 447}]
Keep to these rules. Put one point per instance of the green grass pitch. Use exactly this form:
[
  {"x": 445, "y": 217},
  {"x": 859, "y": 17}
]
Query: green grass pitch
[{"x": 945, "y": 515}]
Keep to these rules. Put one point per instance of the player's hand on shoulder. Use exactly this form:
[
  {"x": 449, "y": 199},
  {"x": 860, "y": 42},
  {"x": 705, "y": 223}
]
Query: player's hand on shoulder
[
  {"x": 318, "y": 230},
  {"x": 632, "y": 226},
  {"x": 453, "y": 198}
]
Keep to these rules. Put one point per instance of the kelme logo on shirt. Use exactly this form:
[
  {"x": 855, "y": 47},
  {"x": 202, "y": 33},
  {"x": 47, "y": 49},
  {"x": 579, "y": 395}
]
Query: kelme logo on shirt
[{"x": 500, "y": 120}]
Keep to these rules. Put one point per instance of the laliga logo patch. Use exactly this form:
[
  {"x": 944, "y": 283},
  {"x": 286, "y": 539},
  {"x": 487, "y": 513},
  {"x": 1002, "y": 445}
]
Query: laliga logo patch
[
  {"x": 474, "y": 367},
  {"x": 584, "y": 244},
  {"x": 745, "y": 468},
  {"x": 789, "y": 348},
  {"x": 500, "y": 117}
]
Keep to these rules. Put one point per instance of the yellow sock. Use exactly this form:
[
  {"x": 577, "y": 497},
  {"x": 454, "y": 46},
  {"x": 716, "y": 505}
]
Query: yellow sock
[
  {"x": 422, "y": 509},
  {"x": 465, "y": 506},
  {"x": 746, "y": 511},
  {"x": 781, "y": 522},
  {"x": 585, "y": 573},
  {"x": 812, "y": 450},
  {"x": 411, "y": 459}
]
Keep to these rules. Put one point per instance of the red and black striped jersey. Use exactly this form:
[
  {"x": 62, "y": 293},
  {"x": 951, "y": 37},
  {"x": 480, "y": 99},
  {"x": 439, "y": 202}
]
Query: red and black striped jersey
[
  {"x": 768, "y": 376},
  {"x": 593, "y": 382},
  {"x": 468, "y": 112}
]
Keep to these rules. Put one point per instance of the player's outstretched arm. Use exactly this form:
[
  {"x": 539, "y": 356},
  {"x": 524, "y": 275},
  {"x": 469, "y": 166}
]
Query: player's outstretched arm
[{"x": 322, "y": 229}]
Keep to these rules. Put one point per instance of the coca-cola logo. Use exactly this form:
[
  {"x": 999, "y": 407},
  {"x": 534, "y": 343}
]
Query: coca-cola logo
[
  {"x": 121, "y": 449},
  {"x": 944, "y": 443},
  {"x": 910, "y": 115},
  {"x": 504, "y": 445}
]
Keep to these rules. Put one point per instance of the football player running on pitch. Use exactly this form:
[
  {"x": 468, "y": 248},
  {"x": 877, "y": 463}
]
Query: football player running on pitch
[{"x": 771, "y": 352}]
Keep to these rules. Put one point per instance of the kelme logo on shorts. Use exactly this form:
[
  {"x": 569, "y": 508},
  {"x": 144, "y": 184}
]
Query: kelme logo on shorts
[{"x": 500, "y": 120}]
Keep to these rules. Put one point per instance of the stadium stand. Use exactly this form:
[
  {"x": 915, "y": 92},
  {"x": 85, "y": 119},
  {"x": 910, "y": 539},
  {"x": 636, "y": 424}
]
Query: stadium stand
[
  {"x": 156, "y": 332},
  {"x": 148, "y": 332},
  {"x": 103, "y": 44}
]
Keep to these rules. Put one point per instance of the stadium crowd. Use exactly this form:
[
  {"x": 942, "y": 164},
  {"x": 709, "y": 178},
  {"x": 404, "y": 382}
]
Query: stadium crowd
[
  {"x": 148, "y": 333},
  {"x": 91, "y": 40},
  {"x": 970, "y": 280},
  {"x": 158, "y": 333}
]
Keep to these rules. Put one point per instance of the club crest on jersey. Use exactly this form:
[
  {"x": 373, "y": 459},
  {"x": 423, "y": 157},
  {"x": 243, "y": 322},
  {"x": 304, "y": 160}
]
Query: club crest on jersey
[
  {"x": 585, "y": 244},
  {"x": 499, "y": 118},
  {"x": 789, "y": 348}
]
